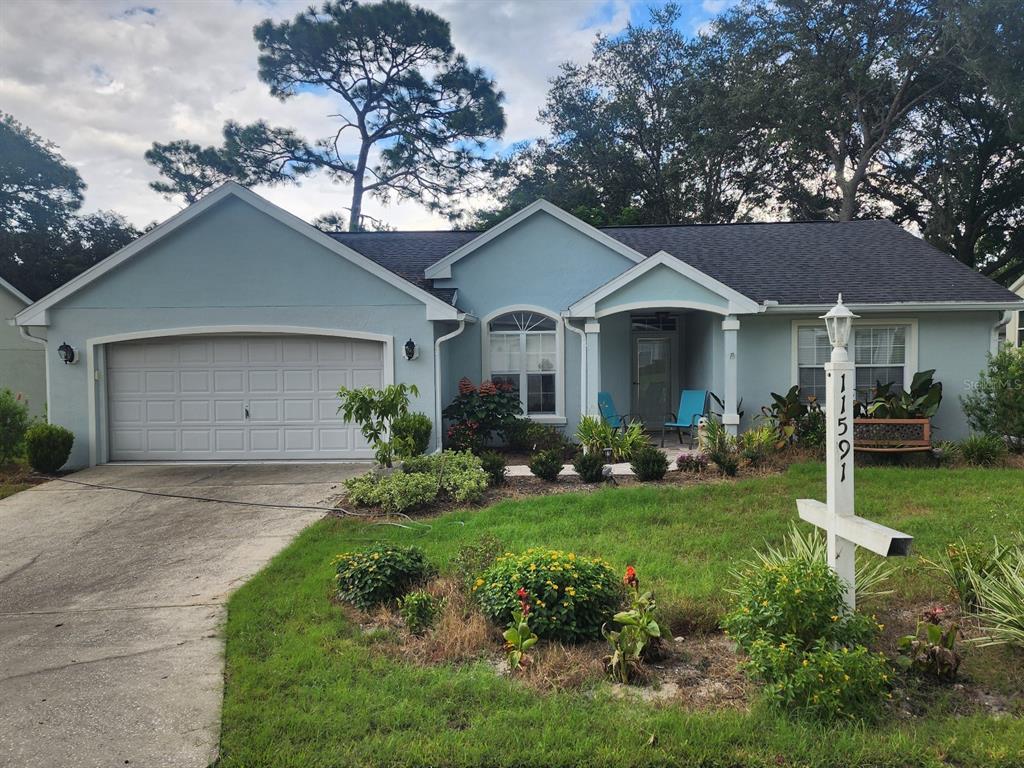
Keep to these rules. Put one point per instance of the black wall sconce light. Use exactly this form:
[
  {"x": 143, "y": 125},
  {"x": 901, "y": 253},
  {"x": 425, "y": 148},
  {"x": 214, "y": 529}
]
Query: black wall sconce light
[
  {"x": 67, "y": 353},
  {"x": 411, "y": 350}
]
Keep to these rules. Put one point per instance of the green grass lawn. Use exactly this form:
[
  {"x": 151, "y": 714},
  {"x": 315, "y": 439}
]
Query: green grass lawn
[{"x": 305, "y": 688}]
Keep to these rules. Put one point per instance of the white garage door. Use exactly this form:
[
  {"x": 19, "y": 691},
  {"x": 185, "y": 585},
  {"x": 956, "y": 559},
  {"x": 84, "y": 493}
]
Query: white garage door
[{"x": 236, "y": 397}]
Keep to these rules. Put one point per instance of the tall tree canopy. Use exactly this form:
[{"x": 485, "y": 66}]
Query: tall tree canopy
[
  {"x": 417, "y": 114},
  {"x": 910, "y": 109},
  {"x": 43, "y": 241}
]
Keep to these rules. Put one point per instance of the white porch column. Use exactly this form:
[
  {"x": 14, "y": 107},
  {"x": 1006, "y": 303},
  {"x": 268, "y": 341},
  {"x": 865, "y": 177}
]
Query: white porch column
[
  {"x": 730, "y": 328},
  {"x": 593, "y": 362}
]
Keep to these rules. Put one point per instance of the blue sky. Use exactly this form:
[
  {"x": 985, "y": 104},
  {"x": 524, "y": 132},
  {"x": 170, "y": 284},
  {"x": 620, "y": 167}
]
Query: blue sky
[{"x": 106, "y": 78}]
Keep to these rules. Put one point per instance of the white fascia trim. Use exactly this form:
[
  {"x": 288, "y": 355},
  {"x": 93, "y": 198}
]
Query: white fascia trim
[
  {"x": 443, "y": 268},
  {"x": 1018, "y": 287},
  {"x": 901, "y": 306},
  {"x": 738, "y": 304},
  {"x": 35, "y": 314},
  {"x": 558, "y": 417},
  {"x": 95, "y": 362},
  {"x": 15, "y": 292}
]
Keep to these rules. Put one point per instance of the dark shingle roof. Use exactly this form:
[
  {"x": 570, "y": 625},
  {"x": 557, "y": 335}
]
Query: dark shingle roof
[{"x": 871, "y": 261}]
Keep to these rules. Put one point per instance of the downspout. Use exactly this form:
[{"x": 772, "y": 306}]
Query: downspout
[
  {"x": 583, "y": 365},
  {"x": 1002, "y": 322},
  {"x": 437, "y": 377},
  {"x": 23, "y": 330}
]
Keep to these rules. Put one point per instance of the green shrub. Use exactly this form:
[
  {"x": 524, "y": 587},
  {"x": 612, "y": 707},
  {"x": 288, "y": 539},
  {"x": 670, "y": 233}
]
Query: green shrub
[
  {"x": 419, "y": 611},
  {"x": 692, "y": 462},
  {"x": 809, "y": 545},
  {"x": 14, "y": 421},
  {"x": 589, "y": 466},
  {"x": 475, "y": 558},
  {"x": 458, "y": 474},
  {"x": 48, "y": 446},
  {"x": 649, "y": 463},
  {"x": 963, "y": 565},
  {"x": 721, "y": 447},
  {"x": 546, "y": 465},
  {"x": 493, "y": 464},
  {"x": 379, "y": 574},
  {"x": 946, "y": 452},
  {"x": 822, "y": 681},
  {"x": 757, "y": 445},
  {"x": 411, "y": 434},
  {"x": 798, "y": 598},
  {"x": 983, "y": 450},
  {"x": 477, "y": 413},
  {"x": 595, "y": 434},
  {"x": 527, "y": 436},
  {"x": 1001, "y": 598},
  {"x": 996, "y": 404},
  {"x": 393, "y": 493},
  {"x": 375, "y": 410},
  {"x": 572, "y": 596}
]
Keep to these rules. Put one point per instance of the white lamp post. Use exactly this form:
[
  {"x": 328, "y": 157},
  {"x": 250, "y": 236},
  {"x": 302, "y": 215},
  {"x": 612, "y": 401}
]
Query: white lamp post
[{"x": 843, "y": 529}]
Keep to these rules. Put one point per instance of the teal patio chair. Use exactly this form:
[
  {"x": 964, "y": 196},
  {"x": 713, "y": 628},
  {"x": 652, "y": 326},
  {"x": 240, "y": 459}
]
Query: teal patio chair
[
  {"x": 611, "y": 416},
  {"x": 692, "y": 406}
]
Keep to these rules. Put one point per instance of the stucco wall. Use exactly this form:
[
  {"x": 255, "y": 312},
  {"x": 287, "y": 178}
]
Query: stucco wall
[
  {"x": 955, "y": 344},
  {"x": 22, "y": 362},
  {"x": 233, "y": 265},
  {"x": 543, "y": 263}
]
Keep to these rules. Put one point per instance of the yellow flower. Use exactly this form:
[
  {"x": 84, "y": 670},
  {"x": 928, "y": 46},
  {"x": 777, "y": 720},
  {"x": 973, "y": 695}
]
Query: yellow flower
[
  {"x": 479, "y": 582},
  {"x": 572, "y": 556},
  {"x": 806, "y": 662},
  {"x": 835, "y": 618},
  {"x": 782, "y": 646},
  {"x": 846, "y": 678},
  {"x": 533, "y": 566},
  {"x": 375, "y": 556},
  {"x": 797, "y": 592}
]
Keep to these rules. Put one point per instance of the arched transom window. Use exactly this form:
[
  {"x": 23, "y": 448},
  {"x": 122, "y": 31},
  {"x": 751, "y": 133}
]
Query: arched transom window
[{"x": 524, "y": 355}]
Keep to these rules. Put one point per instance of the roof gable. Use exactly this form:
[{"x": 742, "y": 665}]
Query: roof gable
[
  {"x": 443, "y": 267},
  {"x": 664, "y": 281},
  {"x": 36, "y": 313},
  {"x": 4, "y": 285}
]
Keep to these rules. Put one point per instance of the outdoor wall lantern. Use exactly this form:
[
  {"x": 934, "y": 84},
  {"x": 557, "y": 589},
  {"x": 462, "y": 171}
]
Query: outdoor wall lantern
[
  {"x": 838, "y": 322},
  {"x": 411, "y": 351},
  {"x": 67, "y": 353}
]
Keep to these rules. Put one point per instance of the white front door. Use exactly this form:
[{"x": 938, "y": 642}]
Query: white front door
[{"x": 234, "y": 398}]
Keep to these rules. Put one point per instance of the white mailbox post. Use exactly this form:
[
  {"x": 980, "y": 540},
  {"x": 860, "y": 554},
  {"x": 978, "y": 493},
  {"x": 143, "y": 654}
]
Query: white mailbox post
[{"x": 844, "y": 531}]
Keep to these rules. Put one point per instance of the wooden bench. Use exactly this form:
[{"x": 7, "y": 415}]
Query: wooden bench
[{"x": 892, "y": 435}]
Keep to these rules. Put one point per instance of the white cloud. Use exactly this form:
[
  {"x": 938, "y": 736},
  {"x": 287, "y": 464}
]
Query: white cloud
[{"x": 104, "y": 79}]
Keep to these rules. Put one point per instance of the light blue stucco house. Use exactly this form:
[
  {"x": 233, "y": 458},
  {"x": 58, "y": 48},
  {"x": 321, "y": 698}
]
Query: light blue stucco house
[{"x": 225, "y": 332}]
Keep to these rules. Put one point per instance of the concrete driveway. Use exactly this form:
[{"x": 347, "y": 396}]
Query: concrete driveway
[{"x": 112, "y": 606}]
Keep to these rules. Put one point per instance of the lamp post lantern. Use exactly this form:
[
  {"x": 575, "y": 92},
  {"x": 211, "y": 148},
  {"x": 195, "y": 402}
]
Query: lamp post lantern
[{"x": 844, "y": 531}]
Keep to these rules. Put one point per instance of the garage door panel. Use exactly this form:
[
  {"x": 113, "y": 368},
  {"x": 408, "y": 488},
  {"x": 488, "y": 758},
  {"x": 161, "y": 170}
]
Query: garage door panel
[
  {"x": 195, "y": 411},
  {"x": 264, "y": 381},
  {"x": 196, "y": 382},
  {"x": 236, "y": 397},
  {"x": 264, "y": 410},
  {"x": 161, "y": 412},
  {"x": 367, "y": 378}
]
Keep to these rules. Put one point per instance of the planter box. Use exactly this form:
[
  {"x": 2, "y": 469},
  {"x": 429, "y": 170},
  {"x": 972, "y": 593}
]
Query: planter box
[{"x": 892, "y": 435}]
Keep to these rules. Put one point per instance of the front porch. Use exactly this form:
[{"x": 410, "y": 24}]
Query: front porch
[{"x": 658, "y": 329}]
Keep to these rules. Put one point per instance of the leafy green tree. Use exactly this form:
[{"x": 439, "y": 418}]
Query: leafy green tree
[
  {"x": 43, "y": 241},
  {"x": 418, "y": 115},
  {"x": 837, "y": 82},
  {"x": 650, "y": 130},
  {"x": 958, "y": 177},
  {"x": 38, "y": 189}
]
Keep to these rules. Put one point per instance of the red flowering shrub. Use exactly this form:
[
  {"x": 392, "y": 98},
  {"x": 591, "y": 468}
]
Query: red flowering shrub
[{"x": 477, "y": 413}]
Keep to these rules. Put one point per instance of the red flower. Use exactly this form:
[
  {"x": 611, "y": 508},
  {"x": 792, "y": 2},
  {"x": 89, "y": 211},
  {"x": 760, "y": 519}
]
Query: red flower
[
  {"x": 524, "y": 600},
  {"x": 630, "y": 579},
  {"x": 488, "y": 388},
  {"x": 466, "y": 386}
]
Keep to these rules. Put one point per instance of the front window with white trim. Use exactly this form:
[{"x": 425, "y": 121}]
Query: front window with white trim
[
  {"x": 879, "y": 353},
  {"x": 523, "y": 349}
]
